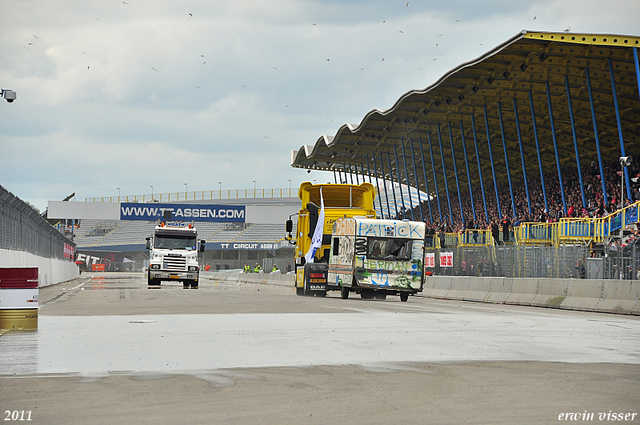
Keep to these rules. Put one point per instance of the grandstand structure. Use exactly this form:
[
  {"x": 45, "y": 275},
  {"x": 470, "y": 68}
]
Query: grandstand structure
[
  {"x": 120, "y": 244},
  {"x": 520, "y": 122},
  {"x": 538, "y": 132}
]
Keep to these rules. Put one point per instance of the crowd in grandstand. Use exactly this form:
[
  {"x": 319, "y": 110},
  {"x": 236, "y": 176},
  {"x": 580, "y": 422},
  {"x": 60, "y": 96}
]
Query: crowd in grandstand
[{"x": 437, "y": 215}]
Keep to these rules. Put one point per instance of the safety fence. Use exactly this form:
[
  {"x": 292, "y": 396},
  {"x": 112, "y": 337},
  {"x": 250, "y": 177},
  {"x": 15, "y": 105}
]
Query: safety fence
[
  {"x": 22, "y": 229},
  {"x": 567, "y": 231},
  {"x": 201, "y": 195},
  {"x": 518, "y": 261}
]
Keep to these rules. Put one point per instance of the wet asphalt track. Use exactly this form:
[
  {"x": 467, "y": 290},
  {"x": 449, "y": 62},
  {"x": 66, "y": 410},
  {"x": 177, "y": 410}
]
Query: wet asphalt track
[{"x": 109, "y": 350}]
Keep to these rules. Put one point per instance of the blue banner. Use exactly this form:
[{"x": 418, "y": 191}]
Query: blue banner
[{"x": 184, "y": 212}]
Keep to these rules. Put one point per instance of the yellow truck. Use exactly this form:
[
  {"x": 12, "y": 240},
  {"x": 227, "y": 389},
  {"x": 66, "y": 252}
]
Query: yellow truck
[{"x": 331, "y": 201}]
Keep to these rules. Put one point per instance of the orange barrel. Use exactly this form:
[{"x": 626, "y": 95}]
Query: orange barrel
[{"x": 19, "y": 298}]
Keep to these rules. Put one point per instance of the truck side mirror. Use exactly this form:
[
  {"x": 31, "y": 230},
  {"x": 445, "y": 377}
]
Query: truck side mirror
[
  {"x": 289, "y": 226},
  {"x": 148, "y": 243},
  {"x": 202, "y": 242}
]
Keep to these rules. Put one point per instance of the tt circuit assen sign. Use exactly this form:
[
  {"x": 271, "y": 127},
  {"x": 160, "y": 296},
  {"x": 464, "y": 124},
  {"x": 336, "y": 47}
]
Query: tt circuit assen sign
[{"x": 187, "y": 212}]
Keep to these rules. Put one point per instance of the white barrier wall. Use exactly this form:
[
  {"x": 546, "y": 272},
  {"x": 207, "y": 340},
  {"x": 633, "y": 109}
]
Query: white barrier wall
[
  {"x": 606, "y": 296},
  {"x": 50, "y": 271}
]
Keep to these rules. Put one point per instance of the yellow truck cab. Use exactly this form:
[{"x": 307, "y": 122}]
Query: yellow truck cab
[{"x": 339, "y": 201}]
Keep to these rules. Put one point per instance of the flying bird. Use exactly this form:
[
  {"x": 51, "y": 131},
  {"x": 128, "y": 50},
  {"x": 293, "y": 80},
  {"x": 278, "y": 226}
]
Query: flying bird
[
  {"x": 534, "y": 18},
  {"x": 190, "y": 14},
  {"x": 274, "y": 68},
  {"x": 35, "y": 36},
  {"x": 406, "y": 5},
  {"x": 329, "y": 119},
  {"x": 382, "y": 60},
  {"x": 328, "y": 60},
  {"x": 124, "y": 2},
  {"x": 401, "y": 32},
  {"x": 568, "y": 29},
  {"x": 155, "y": 70}
]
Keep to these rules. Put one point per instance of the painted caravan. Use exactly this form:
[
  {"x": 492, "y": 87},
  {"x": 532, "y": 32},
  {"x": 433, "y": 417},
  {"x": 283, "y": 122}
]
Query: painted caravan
[{"x": 376, "y": 258}]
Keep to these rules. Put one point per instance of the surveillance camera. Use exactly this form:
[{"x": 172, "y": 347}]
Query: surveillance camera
[
  {"x": 625, "y": 161},
  {"x": 9, "y": 95}
]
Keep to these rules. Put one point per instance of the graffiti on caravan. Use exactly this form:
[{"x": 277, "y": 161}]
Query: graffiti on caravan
[{"x": 183, "y": 212}]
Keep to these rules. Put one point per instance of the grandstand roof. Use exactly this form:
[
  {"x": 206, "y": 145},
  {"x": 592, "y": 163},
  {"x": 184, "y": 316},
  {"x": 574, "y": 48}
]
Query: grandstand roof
[{"x": 505, "y": 82}]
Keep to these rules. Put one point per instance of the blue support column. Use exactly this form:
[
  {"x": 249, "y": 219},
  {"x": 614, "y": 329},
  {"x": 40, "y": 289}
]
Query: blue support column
[
  {"x": 444, "y": 173},
  {"x": 356, "y": 170},
  {"x": 493, "y": 169},
  {"x": 555, "y": 148},
  {"x": 455, "y": 172},
  {"x": 375, "y": 170},
  {"x": 404, "y": 209},
  {"x": 344, "y": 170},
  {"x": 535, "y": 135},
  {"x": 524, "y": 169},
  {"x": 335, "y": 179},
  {"x": 406, "y": 174},
  {"x": 415, "y": 174},
  {"x": 637, "y": 63},
  {"x": 393, "y": 187},
  {"x": 466, "y": 163},
  {"x": 350, "y": 173},
  {"x": 435, "y": 179},
  {"x": 595, "y": 132},
  {"x": 615, "y": 103},
  {"x": 475, "y": 141},
  {"x": 506, "y": 161},
  {"x": 426, "y": 185},
  {"x": 386, "y": 192},
  {"x": 575, "y": 139}
]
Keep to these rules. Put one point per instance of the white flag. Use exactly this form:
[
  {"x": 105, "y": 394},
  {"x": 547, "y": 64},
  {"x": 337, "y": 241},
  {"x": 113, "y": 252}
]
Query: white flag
[{"x": 316, "y": 241}]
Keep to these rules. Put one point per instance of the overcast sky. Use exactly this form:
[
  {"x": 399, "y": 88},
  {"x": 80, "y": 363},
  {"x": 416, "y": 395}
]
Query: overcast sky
[{"x": 141, "y": 93}]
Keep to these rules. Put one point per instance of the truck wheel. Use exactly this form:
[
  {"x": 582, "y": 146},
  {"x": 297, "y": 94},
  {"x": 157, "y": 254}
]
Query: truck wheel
[
  {"x": 153, "y": 283},
  {"x": 404, "y": 297},
  {"x": 299, "y": 291},
  {"x": 344, "y": 293},
  {"x": 194, "y": 284},
  {"x": 380, "y": 296},
  {"x": 366, "y": 294}
]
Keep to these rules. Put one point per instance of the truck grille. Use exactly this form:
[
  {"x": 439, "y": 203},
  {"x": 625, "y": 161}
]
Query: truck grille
[{"x": 175, "y": 263}]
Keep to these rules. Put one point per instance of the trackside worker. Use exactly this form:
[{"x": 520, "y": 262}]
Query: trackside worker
[
  {"x": 275, "y": 268},
  {"x": 257, "y": 268},
  {"x": 247, "y": 269}
]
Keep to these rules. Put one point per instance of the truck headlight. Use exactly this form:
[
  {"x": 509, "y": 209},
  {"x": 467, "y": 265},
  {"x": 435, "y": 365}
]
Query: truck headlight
[
  {"x": 155, "y": 266},
  {"x": 193, "y": 268}
]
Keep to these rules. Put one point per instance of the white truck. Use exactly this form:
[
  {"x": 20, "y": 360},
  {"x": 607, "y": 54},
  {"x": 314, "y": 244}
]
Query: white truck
[
  {"x": 173, "y": 254},
  {"x": 376, "y": 258}
]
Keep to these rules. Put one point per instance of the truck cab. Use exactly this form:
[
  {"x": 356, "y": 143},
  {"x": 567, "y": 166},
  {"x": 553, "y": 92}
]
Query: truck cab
[
  {"x": 337, "y": 200},
  {"x": 173, "y": 254}
]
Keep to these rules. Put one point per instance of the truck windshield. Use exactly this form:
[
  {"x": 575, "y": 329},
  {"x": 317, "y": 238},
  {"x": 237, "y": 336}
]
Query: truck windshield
[
  {"x": 388, "y": 249},
  {"x": 175, "y": 242}
]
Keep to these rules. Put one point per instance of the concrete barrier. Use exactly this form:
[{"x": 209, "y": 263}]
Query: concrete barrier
[
  {"x": 607, "y": 296},
  {"x": 50, "y": 270},
  {"x": 267, "y": 278}
]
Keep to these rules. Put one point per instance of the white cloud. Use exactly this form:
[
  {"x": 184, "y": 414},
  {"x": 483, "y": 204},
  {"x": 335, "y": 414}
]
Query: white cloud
[{"x": 128, "y": 95}]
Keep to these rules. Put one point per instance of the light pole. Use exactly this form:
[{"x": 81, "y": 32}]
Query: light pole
[
  {"x": 289, "y": 187},
  {"x": 151, "y": 192},
  {"x": 254, "y": 188},
  {"x": 118, "y": 193},
  {"x": 186, "y": 189}
]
